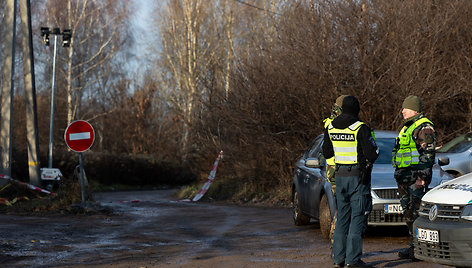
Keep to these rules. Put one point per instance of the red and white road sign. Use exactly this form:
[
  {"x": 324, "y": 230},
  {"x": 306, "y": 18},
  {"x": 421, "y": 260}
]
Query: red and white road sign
[{"x": 79, "y": 136}]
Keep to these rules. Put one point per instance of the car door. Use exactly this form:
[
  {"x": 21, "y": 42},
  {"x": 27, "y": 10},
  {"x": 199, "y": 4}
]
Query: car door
[
  {"x": 308, "y": 179},
  {"x": 302, "y": 181},
  {"x": 302, "y": 174},
  {"x": 316, "y": 180}
]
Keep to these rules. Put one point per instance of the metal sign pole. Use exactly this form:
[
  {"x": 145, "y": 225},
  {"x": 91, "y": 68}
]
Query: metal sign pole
[
  {"x": 79, "y": 137},
  {"x": 51, "y": 126},
  {"x": 81, "y": 176}
]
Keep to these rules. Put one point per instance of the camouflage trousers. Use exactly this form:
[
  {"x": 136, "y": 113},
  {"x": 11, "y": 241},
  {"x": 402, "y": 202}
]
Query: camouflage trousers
[
  {"x": 330, "y": 177},
  {"x": 410, "y": 199}
]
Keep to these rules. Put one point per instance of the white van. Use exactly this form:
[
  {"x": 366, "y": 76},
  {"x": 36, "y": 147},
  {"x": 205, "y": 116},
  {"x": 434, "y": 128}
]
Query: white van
[{"x": 444, "y": 226}]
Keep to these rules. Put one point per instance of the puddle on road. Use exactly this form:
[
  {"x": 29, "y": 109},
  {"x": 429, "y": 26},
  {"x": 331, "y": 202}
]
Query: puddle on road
[
  {"x": 279, "y": 260},
  {"x": 191, "y": 241},
  {"x": 146, "y": 212}
]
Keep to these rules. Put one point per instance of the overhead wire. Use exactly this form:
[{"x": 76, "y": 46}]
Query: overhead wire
[{"x": 256, "y": 7}]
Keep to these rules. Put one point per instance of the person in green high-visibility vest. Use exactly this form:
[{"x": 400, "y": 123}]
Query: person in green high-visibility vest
[
  {"x": 413, "y": 159},
  {"x": 330, "y": 165},
  {"x": 337, "y": 110}
]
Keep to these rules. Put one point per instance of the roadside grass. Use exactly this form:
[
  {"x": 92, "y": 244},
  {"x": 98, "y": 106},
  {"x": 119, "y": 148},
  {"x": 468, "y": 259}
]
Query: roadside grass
[
  {"x": 38, "y": 203},
  {"x": 239, "y": 191}
]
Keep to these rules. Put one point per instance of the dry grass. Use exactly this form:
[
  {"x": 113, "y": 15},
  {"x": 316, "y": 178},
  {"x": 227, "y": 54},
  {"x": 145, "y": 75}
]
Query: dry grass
[{"x": 240, "y": 192}]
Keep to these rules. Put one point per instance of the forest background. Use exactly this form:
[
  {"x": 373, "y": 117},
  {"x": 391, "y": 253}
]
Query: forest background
[{"x": 254, "y": 78}]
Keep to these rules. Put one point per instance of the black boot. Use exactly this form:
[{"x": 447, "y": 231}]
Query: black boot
[{"x": 359, "y": 263}]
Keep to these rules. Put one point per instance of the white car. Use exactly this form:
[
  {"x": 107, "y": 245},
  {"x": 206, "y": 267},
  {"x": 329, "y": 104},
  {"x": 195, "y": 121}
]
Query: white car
[
  {"x": 455, "y": 157},
  {"x": 444, "y": 226}
]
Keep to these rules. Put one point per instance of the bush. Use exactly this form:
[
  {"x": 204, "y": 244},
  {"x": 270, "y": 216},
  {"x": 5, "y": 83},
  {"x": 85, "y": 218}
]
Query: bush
[{"x": 107, "y": 168}]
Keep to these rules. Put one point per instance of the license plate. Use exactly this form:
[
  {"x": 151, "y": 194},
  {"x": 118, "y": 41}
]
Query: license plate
[
  {"x": 427, "y": 235},
  {"x": 393, "y": 209}
]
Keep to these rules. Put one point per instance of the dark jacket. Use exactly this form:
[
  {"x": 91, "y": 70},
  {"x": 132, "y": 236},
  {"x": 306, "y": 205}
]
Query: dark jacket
[{"x": 366, "y": 148}]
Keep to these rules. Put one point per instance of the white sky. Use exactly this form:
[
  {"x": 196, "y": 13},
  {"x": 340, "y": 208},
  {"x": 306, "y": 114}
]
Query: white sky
[{"x": 145, "y": 33}]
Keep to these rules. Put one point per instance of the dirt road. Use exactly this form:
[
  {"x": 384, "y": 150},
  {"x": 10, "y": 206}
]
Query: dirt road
[{"x": 150, "y": 229}]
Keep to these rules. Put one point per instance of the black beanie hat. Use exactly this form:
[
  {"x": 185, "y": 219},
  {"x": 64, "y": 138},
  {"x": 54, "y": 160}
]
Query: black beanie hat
[{"x": 351, "y": 105}]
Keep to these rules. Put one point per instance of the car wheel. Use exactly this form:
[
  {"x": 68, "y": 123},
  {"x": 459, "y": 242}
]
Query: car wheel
[
  {"x": 455, "y": 174},
  {"x": 299, "y": 218},
  {"x": 325, "y": 218}
]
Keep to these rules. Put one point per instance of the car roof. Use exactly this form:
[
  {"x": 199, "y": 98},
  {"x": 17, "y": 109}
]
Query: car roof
[{"x": 385, "y": 134}]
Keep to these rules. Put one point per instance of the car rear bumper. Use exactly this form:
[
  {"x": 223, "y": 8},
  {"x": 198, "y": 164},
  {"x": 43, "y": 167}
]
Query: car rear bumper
[
  {"x": 455, "y": 242},
  {"x": 378, "y": 216}
]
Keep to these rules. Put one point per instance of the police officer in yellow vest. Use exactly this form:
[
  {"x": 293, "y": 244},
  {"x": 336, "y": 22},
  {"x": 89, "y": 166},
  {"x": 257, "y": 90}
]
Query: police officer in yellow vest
[
  {"x": 352, "y": 145},
  {"x": 413, "y": 159}
]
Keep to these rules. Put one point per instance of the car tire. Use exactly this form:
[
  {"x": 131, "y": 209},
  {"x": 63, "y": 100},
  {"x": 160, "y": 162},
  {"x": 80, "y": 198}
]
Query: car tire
[
  {"x": 455, "y": 174},
  {"x": 325, "y": 218},
  {"x": 299, "y": 218}
]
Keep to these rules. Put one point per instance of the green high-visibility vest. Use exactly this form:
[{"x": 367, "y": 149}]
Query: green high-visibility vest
[
  {"x": 345, "y": 143},
  {"x": 407, "y": 153}
]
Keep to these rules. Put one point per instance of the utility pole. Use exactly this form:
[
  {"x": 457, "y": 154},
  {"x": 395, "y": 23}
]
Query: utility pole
[
  {"x": 30, "y": 92},
  {"x": 8, "y": 87}
]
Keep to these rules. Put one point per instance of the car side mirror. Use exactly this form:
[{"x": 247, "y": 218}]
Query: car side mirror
[
  {"x": 313, "y": 163},
  {"x": 443, "y": 161}
]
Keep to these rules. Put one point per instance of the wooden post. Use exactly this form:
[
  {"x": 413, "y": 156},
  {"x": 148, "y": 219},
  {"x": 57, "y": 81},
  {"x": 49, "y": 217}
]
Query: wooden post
[{"x": 8, "y": 88}]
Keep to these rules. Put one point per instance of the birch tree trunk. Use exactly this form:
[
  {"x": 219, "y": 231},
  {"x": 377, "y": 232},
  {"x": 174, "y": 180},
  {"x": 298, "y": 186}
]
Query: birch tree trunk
[
  {"x": 184, "y": 57},
  {"x": 97, "y": 37}
]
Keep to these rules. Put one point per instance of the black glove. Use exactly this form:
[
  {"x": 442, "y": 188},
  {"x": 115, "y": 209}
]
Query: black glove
[{"x": 365, "y": 173}]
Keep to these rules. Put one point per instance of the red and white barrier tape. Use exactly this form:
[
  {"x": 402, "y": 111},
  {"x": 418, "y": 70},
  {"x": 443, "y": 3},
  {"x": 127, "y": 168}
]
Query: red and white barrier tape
[
  {"x": 208, "y": 183},
  {"x": 29, "y": 186}
]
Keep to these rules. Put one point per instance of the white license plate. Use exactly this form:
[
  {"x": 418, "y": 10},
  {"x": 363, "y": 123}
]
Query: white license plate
[
  {"x": 427, "y": 235},
  {"x": 393, "y": 209}
]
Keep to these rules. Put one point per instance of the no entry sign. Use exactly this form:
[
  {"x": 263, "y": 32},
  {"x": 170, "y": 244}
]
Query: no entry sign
[{"x": 79, "y": 136}]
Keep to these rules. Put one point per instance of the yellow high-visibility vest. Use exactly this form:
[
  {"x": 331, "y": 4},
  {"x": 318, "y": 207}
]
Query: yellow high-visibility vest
[
  {"x": 345, "y": 143},
  {"x": 327, "y": 122},
  {"x": 407, "y": 154}
]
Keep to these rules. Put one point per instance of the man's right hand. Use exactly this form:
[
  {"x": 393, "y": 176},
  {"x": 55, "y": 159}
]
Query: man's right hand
[{"x": 419, "y": 183}]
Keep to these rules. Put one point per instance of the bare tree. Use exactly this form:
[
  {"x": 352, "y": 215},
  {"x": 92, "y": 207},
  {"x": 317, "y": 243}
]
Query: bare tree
[
  {"x": 197, "y": 47},
  {"x": 99, "y": 34}
]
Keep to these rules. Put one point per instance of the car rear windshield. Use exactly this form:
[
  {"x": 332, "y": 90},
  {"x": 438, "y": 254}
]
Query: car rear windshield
[{"x": 385, "y": 146}]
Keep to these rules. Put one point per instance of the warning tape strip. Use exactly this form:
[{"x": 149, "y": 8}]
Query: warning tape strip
[
  {"x": 208, "y": 183},
  {"x": 29, "y": 186},
  {"x": 5, "y": 201}
]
